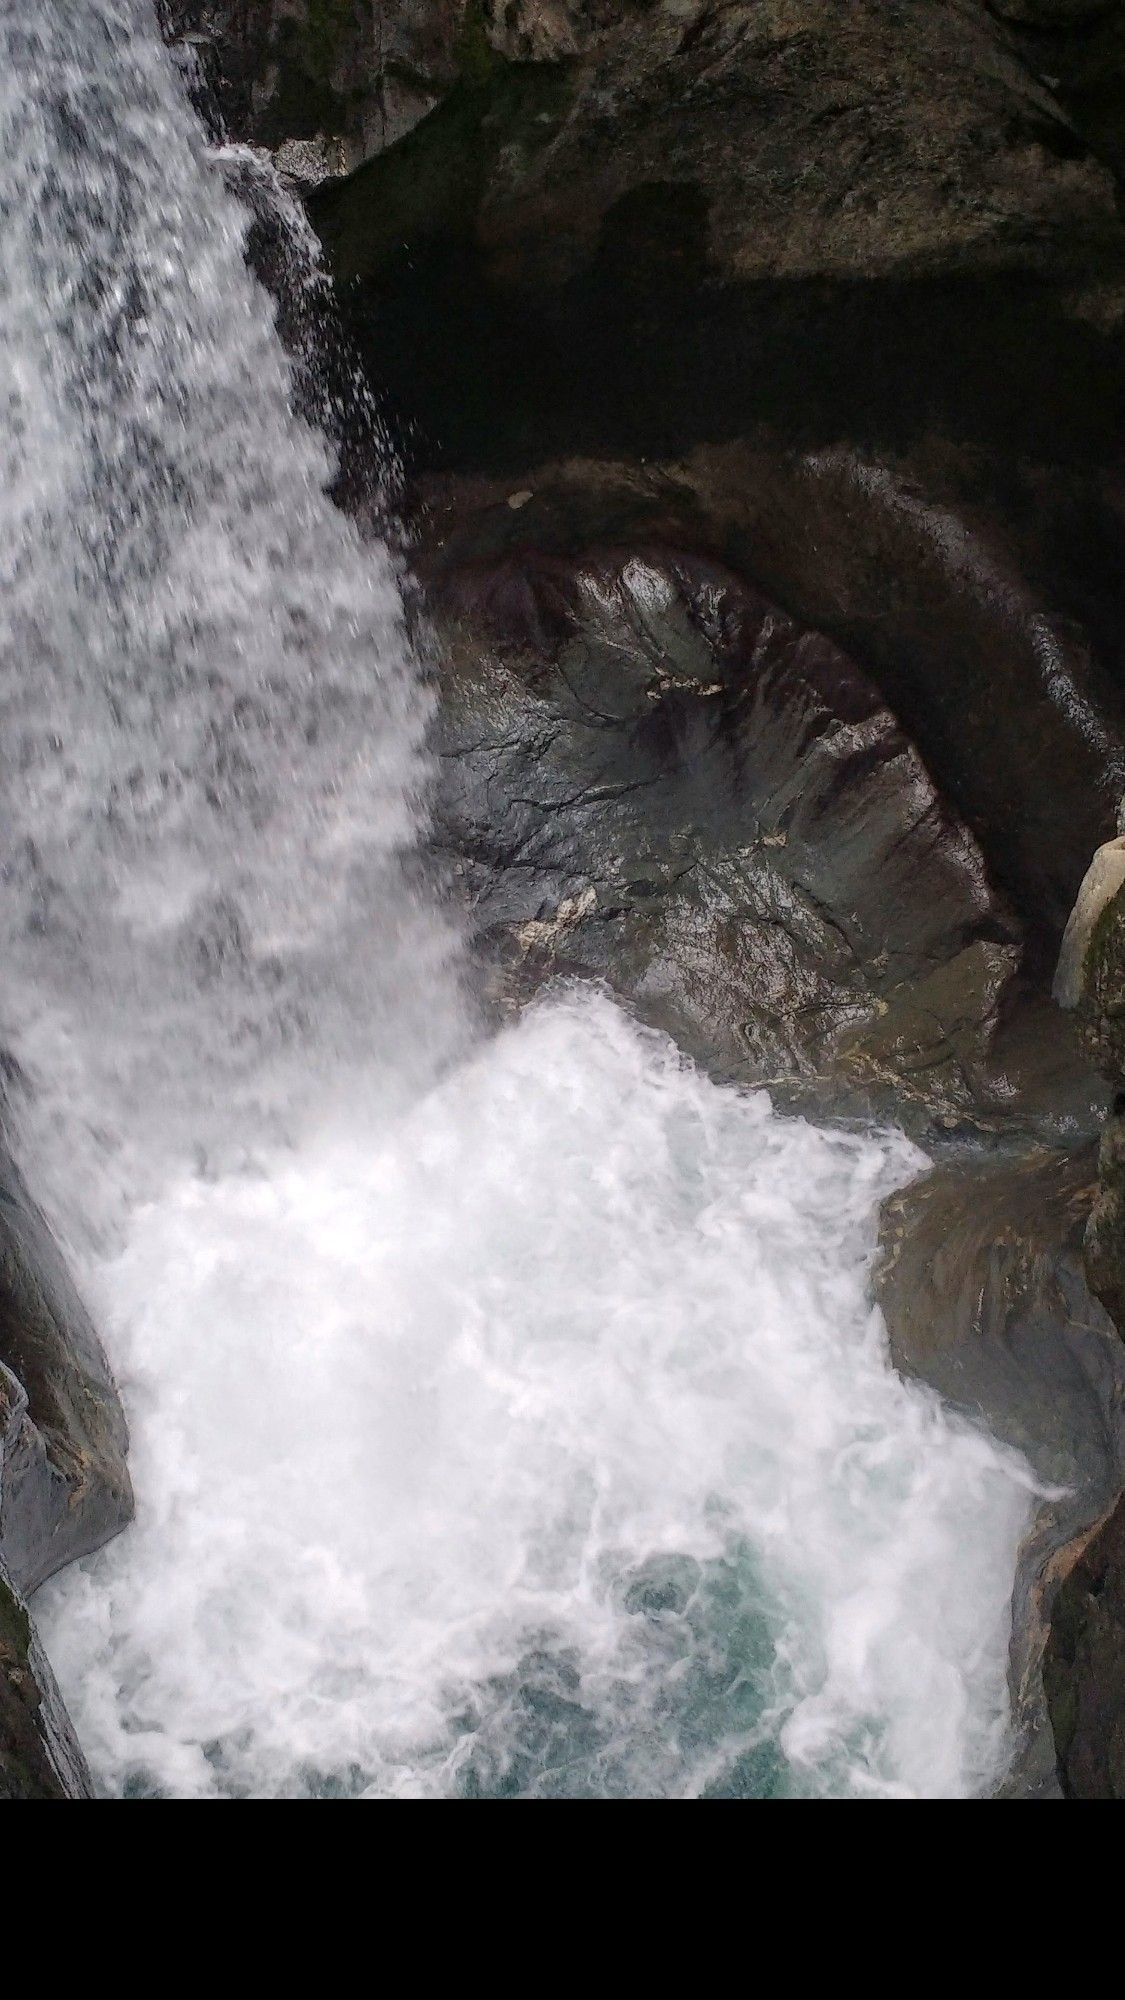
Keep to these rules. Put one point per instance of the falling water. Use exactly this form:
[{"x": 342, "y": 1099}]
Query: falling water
[
  {"x": 210, "y": 749},
  {"x": 509, "y": 1419}
]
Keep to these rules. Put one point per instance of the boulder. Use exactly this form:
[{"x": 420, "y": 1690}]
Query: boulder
[{"x": 985, "y": 1296}]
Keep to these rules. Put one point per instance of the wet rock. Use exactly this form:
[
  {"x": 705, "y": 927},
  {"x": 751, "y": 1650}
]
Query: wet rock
[
  {"x": 777, "y": 878},
  {"x": 929, "y": 596},
  {"x": 64, "y": 1481},
  {"x": 985, "y": 1297},
  {"x": 690, "y": 222},
  {"x": 986, "y": 664},
  {"x": 934, "y": 1040},
  {"x": 656, "y": 777},
  {"x": 1084, "y": 1667},
  {"x": 324, "y": 83},
  {"x": 39, "y": 1754},
  {"x": 843, "y": 291}
]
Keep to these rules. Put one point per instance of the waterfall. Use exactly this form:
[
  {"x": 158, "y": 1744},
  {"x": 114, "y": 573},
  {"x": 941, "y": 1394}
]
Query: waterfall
[
  {"x": 211, "y": 742},
  {"x": 510, "y": 1416}
]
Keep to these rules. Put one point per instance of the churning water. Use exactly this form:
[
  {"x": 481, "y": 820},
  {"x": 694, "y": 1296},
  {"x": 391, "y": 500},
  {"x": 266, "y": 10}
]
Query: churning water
[{"x": 509, "y": 1419}]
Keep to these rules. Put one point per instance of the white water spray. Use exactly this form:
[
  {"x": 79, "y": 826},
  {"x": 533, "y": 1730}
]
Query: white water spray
[
  {"x": 211, "y": 730},
  {"x": 515, "y": 1428}
]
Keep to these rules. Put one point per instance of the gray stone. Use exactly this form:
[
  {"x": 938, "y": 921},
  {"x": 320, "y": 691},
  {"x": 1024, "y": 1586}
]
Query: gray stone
[{"x": 985, "y": 1296}]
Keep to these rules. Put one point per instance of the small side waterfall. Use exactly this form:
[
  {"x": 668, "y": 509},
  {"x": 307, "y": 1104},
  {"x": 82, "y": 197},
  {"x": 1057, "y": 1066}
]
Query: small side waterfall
[{"x": 508, "y": 1419}]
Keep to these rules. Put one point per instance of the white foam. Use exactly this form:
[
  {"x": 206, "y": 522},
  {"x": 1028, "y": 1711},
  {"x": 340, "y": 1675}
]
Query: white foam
[{"x": 424, "y": 1416}]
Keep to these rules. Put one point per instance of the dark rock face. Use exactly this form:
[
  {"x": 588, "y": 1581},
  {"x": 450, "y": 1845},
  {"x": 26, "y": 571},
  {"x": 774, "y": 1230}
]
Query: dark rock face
[
  {"x": 863, "y": 276},
  {"x": 944, "y": 595},
  {"x": 64, "y": 1482},
  {"x": 39, "y": 1755},
  {"x": 985, "y": 1297},
  {"x": 1101, "y": 989},
  {"x": 1084, "y": 1664},
  {"x": 961, "y": 649},
  {"x": 861, "y": 269},
  {"x": 1084, "y": 1669},
  {"x": 819, "y": 223},
  {"x": 66, "y": 1486},
  {"x": 656, "y": 777},
  {"x": 335, "y": 81},
  {"x": 665, "y": 223}
]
